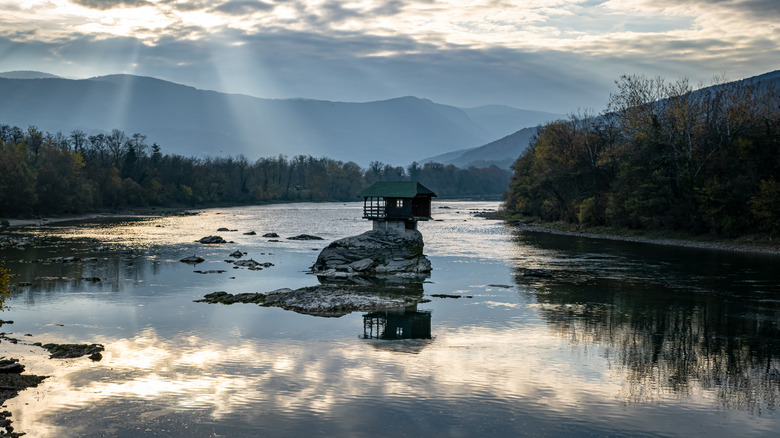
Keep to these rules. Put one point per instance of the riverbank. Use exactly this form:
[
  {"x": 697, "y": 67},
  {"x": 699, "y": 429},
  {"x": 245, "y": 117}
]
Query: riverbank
[
  {"x": 744, "y": 244},
  {"x": 12, "y": 377},
  {"x": 127, "y": 214}
]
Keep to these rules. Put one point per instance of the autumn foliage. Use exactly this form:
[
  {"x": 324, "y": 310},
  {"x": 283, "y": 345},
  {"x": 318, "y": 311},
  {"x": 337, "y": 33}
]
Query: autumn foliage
[
  {"x": 43, "y": 173},
  {"x": 661, "y": 156},
  {"x": 5, "y": 285}
]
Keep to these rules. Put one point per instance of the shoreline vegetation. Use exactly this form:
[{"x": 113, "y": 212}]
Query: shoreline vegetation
[
  {"x": 43, "y": 174},
  {"x": 662, "y": 159},
  {"x": 745, "y": 244}
]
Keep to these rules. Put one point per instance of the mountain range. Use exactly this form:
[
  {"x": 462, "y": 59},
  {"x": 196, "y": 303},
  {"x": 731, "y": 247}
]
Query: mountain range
[
  {"x": 193, "y": 122},
  {"x": 504, "y": 151}
]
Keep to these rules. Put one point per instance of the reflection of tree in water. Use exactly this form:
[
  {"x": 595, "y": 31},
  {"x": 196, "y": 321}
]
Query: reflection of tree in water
[
  {"x": 47, "y": 269},
  {"x": 673, "y": 340}
]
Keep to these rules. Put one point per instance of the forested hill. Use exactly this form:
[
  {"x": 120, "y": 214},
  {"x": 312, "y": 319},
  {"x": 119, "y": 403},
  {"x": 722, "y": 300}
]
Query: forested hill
[
  {"x": 43, "y": 173},
  {"x": 201, "y": 123},
  {"x": 661, "y": 156}
]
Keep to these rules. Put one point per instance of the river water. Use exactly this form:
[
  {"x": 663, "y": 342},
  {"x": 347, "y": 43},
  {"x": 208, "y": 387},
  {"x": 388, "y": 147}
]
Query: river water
[{"x": 550, "y": 335}]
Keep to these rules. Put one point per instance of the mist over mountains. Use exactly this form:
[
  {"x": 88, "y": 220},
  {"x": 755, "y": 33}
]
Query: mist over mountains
[
  {"x": 502, "y": 152},
  {"x": 192, "y": 122}
]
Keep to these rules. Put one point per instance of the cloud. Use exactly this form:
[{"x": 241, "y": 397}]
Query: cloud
[
  {"x": 103, "y": 5},
  {"x": 388, "y": 8},
  {"x": 242, "y": 7},
  {"x": 765, "y": 10},
  {"x": 552, "y": 56}
]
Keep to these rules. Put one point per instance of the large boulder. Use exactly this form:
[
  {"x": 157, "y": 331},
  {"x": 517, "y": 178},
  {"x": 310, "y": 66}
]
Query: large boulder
[{"x": 374, "y": 252}]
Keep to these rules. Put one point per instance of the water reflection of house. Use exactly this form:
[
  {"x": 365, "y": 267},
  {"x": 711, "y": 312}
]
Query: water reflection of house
[{"x": 397, "y": 324}]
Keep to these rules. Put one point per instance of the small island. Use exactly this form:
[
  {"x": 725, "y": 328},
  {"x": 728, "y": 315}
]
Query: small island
[{"x": 393, "y": 246}]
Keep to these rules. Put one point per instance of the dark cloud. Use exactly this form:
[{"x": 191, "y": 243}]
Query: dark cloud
[
  {"x": 280, "y": 63},
  {"x": 333, "y": 12},
  {"x": 188, "y": 5},
  {"x": 389, "y": 8},
  {"x": 104, "y": 5},
  {"x": 241, "y": 7},
  {"x": 763, "y": 9}
]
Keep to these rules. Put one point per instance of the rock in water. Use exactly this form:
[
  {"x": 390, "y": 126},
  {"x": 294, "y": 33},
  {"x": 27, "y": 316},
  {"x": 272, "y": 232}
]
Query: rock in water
[
  {"x": 212, "y": 240},
  {"x": 193, "y": 260},
  {"x": 374, "y": 252},
  {"x": 323, "y": 300},
  {"x": 305, "y": 237},
  {"x": 11, "y": 366}
]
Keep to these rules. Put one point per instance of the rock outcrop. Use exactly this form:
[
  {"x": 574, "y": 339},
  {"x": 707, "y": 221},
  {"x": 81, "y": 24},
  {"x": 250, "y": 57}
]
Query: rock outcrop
[
  {"x": 324, "y": 300},
  {"x": 374, "y": 253}
]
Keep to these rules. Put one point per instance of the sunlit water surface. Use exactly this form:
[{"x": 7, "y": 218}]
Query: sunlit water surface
[{"x": 553, "y": 336}]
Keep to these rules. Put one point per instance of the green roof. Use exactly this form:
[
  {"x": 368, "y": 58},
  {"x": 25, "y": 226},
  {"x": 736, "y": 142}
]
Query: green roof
[{"x": 397, "y": 189}]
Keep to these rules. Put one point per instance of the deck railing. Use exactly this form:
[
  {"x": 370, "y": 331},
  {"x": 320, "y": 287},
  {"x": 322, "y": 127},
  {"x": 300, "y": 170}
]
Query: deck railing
[
  {"x": 374, "y": 211},
  {"x": 374, "y": 208}
]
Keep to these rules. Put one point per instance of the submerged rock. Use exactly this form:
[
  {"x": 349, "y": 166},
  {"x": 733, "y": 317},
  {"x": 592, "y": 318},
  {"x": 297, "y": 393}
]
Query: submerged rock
[
  {"x": 251, "y": 264},
  {"x": 249, "y": 233},
  {"x": 538, "y": 273},
  {"x": 61, "y": 260},
  {"x": 272, "y": 235},
  {"x": 450, "y": 296},
  {"x": 374, "y": 252},
  {"x": 66, "y": 351}
]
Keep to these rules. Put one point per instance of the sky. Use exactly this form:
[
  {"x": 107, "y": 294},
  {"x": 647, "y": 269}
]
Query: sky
[{"x": 548, "y": 55}]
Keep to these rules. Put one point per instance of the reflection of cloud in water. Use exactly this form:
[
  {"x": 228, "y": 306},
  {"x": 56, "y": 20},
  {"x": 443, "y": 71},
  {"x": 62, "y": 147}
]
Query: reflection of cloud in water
[
  {"x": 191, "y": 373},
  {"x": 410, "y": 346},
  {"x": 494, "y": 304},
  {"x": 271, "y": 386}
]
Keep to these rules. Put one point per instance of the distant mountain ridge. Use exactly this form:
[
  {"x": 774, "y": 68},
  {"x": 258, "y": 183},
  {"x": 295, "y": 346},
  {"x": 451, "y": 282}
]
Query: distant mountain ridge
[
  {"x": 26, "y": 74},
  {"x": 504, "y": 151},
  {"x": 188, "y": 121}
]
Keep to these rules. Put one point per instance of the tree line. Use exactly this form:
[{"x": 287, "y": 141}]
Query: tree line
[
  {"x": 43, "y": 173},
  {"x": 660, "y": 156}
]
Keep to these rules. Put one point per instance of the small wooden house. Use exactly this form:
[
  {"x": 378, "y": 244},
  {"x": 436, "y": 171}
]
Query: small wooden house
[{"x": 397, "y": 205}]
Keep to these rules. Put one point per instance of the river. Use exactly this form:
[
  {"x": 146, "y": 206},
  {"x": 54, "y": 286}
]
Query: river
[{"x": 548, "y": 336}]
